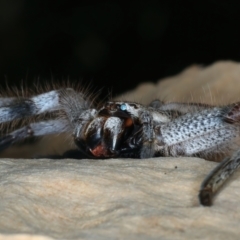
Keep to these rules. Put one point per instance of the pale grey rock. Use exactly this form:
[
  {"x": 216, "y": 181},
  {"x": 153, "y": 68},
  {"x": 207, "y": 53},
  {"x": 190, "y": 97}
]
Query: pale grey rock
[
  {"x": 218, "y": 83},
  {"x": 116, "y": 199}
]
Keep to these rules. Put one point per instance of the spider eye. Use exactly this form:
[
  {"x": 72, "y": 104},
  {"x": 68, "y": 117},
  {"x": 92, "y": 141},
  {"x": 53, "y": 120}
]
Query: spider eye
[{"x": 123, "y": 107}]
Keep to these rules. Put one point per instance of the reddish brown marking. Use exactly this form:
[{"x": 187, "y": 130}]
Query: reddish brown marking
[
  {"x": 234, "y": 114},
  {"x": 128, "y": 122},
  {"x": 99, "y": 151}
]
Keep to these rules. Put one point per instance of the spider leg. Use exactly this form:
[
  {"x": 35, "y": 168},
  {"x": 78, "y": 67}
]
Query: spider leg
[
  {"x": 200, "y": 131},
  {"x": 66, "y": 104},
  {"x": 17, "y": 108},
  {"x": 217, "y": 178},
  {"x": 34, "y": 130},
  {"x": 148, "y": 135},
  {"x": 226, "y": 168}
]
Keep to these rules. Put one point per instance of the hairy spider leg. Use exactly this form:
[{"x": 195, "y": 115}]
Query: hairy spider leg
[
  {"x": 226, "y": 168},
  {"x": 195, "y": 133},
  {"x": 19, "y": 107},
  {"x": 72, "y": 104},
  {"x": 37, "y": 129},
  {"x": 217, "y": 178},
  {"x": 148, "y": 135}
]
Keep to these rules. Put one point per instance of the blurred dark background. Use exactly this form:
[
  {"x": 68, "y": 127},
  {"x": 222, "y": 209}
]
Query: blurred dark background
[{"x": 113, "y": 44}]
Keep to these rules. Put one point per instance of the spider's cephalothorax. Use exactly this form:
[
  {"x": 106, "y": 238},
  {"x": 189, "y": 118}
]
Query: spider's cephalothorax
[
  {"x": 127, "y": 129},
  {"x": 114, "y": 132}
]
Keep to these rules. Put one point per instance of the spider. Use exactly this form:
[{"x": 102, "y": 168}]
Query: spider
[{"x": 127, "y": 129}]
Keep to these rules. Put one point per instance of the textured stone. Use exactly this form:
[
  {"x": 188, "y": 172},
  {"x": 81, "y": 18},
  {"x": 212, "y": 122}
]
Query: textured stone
[
  {"x": 137, "y": 199},
  {"x": 216, "y": 84}
]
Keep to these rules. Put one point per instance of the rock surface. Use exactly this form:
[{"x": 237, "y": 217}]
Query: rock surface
[
  {"x": 117, "y": 199},
  {"x": 125, "y": 198},
  {"x": 216, "y": 84}
]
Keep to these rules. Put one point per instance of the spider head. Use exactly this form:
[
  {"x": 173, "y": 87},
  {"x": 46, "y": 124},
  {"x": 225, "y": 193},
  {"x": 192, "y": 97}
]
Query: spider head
[
  {"x": 115, "y": 132},
  {"x": 121, "y": 109}
]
